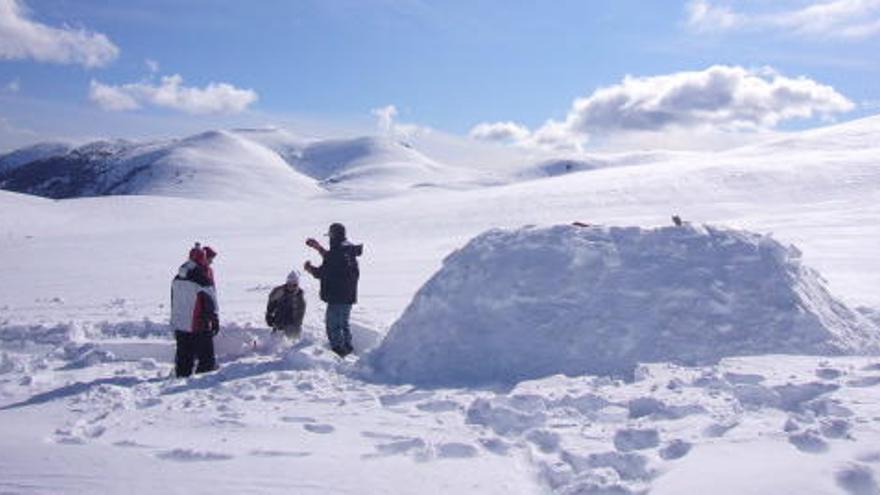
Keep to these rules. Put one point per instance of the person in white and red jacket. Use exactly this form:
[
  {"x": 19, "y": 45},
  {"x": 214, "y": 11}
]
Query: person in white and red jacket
[{"x": 194, "y": 313}]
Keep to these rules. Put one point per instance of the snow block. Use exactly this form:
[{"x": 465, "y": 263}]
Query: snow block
[{"x": 520, "y": 304}]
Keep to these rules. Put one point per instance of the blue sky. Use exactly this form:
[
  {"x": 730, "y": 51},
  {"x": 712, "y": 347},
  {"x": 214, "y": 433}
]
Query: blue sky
[{"x": 448, "y": 65}]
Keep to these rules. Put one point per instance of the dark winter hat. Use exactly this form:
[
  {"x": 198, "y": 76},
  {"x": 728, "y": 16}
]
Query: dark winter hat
[
  {"x": 336, "y": 231},
  {"x": 210, "y": 253}
]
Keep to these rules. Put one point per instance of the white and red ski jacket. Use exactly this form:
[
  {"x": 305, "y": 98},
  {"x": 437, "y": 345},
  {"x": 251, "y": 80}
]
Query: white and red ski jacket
[{"x": 193, "y": 299}]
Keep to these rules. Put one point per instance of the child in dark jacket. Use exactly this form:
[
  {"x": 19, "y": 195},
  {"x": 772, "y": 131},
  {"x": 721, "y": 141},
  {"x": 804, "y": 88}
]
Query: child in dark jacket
[{"x": 287, "y": 307}]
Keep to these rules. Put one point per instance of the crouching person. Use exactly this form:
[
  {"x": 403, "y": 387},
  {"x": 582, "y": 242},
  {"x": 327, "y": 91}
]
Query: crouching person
[
  {"x": 194, "y": 313},
  {"x": 286, "y": 307}
]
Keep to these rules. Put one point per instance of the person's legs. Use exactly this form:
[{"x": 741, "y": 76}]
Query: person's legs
[
  {"x": 184, "y": 357},
  {"x": 205, "y": 352},
  {"x": 336, "y": 321},
  {"x": 345, "y": 329},
  {"x": 330, "y": 325},
  {"x": 338, "y": 332}
]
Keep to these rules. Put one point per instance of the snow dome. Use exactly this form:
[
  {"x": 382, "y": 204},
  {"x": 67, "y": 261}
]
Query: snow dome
[{"x": 533, "y": 302}]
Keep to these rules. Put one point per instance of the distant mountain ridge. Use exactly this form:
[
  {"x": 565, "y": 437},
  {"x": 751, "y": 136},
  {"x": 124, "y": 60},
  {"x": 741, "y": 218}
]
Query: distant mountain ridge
[
  {"x": 222, "y": 164},
  {"x": 272, "y": 162}
]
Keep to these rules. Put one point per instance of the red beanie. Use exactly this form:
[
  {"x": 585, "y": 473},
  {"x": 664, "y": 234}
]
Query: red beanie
[{"x": 210, "y": 253}]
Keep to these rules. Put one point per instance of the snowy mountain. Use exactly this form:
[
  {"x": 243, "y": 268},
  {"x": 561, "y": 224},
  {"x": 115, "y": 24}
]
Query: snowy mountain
[
  {"x": 213, "y": 164},
  {"x": 28, "y": 154},
  {"x": 222, "y": 164}
]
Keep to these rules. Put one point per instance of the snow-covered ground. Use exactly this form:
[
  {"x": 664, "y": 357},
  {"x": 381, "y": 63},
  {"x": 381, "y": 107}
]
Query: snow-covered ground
[{"x": 85, "y": 358}]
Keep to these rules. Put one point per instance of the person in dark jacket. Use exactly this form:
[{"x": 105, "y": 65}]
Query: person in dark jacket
[
  {"x": 194, "y": 314},
  {"x": 286, "y": 307},
  {"x": 339, "y": 274}
]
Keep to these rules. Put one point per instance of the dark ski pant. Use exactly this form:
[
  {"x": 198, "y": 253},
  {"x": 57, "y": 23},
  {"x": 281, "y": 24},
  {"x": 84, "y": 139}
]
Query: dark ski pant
[
  {"x": 192, "y": 346},
  {"x": 338, "y": 331}
]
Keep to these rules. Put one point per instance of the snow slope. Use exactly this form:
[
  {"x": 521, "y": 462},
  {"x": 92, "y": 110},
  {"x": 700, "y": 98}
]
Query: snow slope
[
  {"x": 214, "y": 164},
  {"x": 242, "y": 163},
  {"x": 32, "y": 153},
  {"x": 87, "y": 404}
]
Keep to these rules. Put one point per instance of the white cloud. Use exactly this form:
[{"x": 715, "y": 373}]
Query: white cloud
[
  {"x": 718, "y": 99},
  {"x": 500, "y": 131},
  {"x": 112, "y": 97},
  {"x": 386, "y": 120},
  {"x": 851, "y": 19},
  {"x": 704, "y": 16},
  {"x": 171, "y": 93},
  {"x": 23, "y": 38},
  {"x": 152, "y": 65},
  {"x": 385, "y": 117}
]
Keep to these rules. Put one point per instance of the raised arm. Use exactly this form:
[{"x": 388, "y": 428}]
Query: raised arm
[{"x": 312, "y": 243}]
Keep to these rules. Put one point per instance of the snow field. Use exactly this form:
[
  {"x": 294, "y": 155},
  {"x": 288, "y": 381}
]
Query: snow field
[
  {"x": 270, "y": 417},
  {"x": 88, "y": 406}
]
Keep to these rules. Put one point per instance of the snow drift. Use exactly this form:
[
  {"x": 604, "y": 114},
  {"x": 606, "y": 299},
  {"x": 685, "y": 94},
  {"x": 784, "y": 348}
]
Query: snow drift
[{"x": 514, "y": 305}]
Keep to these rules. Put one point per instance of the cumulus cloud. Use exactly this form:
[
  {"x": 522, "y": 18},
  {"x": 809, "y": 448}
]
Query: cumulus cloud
[
  {"x": 720, "y": 98},
  {"x": 171, "y": 93},
  {"x": 385, "y": 117},
  {"x": 23, "y": 38},
  {"x": 152, "y": 65},
  {"x": 827, "y": 18},
  {"x": 386, "y": 120},
  {"x": 500, "y": 131}
]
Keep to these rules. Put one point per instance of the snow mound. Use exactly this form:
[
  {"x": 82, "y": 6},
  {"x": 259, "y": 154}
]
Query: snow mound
[{"x": 521, "y": 304}]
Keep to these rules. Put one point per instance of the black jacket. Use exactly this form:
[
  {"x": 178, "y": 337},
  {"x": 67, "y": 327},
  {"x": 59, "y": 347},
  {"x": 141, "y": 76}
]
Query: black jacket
[
  {"x": 339, "y": 273},
  {"x": 285, "y": 308}
]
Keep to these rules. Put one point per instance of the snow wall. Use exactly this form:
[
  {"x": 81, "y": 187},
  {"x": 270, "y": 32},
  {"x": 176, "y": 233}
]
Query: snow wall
[{"x": 533, "y": 302}]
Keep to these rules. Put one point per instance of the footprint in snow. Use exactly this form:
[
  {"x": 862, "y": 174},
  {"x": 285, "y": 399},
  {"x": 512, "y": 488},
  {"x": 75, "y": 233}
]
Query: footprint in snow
[
  {"x": 717, "y": 430},
  {"x": 857, "y": 479},
  {"x": 437, "y": 406},
  {"x": 390, "y": 400},
  {"x": 828, "y": 373},
  {"x": 495, "y": 445},
  {"x": 382, "y": 436},
  {"x": 278, "y": 453},
  {"x": 835, "y": 428},
  {"x": 130, "y": 444},
  {"x": 408, "y": 446},
  {"x": 319, "y": 428},
  {"x": 809, "y": 442},
  {"x": 456, "y": 450},
  {"x": 191, "y": 455},
  {"x": 675, "y": 449},
  {"x": 864, "y": 381},
  {"x": 629, "y": 439},
  {"x": 298, "y": 419}
]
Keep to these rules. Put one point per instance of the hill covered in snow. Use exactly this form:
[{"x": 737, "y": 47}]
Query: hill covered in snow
[{"x": 243, "y": 163}]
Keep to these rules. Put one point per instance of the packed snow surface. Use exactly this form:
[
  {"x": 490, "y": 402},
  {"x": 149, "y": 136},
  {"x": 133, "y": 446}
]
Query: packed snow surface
[
  {"x": 533, "y": 302},
  {"x": 88, "y": 403}
]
